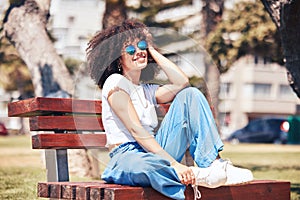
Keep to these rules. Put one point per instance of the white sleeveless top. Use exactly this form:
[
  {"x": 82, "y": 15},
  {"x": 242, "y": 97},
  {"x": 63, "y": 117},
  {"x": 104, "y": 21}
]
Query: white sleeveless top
[{"x": 144, "y": 102}]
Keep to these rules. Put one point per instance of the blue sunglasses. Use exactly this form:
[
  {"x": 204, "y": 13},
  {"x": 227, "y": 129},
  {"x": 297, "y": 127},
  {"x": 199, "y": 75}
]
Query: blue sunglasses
[{"x": 142, "y": 45}]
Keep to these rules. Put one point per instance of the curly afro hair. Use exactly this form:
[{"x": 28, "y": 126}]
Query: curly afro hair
[{"x": 105, "y": 48}]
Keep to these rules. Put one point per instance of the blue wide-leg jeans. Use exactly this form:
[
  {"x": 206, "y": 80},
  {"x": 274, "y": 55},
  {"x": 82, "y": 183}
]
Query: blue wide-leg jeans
[{"x": 189, "y": 124}]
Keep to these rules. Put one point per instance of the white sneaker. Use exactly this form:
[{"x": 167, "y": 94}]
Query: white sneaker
[
  {"x": 212, "y": 176},
  {"x": 236, "y": 175},
  {"x": 220, "y": 172}
]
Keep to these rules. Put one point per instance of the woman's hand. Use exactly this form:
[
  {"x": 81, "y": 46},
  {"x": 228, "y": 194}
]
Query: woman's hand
[{"x": 184, "y": 173}]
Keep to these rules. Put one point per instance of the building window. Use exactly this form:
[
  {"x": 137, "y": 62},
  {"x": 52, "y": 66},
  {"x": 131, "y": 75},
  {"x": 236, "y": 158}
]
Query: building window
[
  {"x": 257, "y": 90},
  {"x": 261, "y": 61},
  {"x": 297, "y": 109},
  {"x": 286, "y": 92},
  {"x": 225, "y": 89},
  {"x": 71, "y": 20},
  {"x": 255, "y": 59},
  {"x": 262, "y": 90}
]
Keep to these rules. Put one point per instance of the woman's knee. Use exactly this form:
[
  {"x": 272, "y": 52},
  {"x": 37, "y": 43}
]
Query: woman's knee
[{"x": 189, "y": 92}]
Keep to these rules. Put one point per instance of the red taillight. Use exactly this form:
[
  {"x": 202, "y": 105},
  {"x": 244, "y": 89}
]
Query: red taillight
[{"x": 285, "y": 126}]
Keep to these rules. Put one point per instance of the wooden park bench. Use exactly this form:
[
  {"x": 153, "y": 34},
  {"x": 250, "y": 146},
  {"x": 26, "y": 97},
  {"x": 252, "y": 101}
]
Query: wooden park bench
[{"x": 76, "y": 124}]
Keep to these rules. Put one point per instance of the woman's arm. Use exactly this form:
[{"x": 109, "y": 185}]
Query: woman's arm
[
  {"x": 178, "y": 79},
  {"x": 121, "y": 104}
]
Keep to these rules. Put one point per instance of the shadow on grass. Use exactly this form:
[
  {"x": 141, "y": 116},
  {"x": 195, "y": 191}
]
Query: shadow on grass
[
  {"x": 295, "y": 187},
  {"x": 267, "y": 167}
]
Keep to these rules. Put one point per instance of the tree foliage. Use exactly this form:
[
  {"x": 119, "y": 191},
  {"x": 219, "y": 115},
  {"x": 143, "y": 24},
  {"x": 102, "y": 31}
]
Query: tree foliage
[
  {"x": 147, "y": 11},
  {"x": 14, "y": 73},
  {"x": 247, "y": 29},
  {"x": 72, "y": 65}
]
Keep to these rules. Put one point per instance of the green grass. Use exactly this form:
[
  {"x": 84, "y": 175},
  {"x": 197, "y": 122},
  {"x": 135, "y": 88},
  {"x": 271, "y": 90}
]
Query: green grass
[
  {"x": 19, "y": 182},
  {"x": 268, "y": 161},
  {"x": 21, "y": 167}
]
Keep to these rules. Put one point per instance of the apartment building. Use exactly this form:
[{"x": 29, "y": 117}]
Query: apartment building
[
  {"x": 254, "y": 88},
  {"x": 73, "y": 23}
]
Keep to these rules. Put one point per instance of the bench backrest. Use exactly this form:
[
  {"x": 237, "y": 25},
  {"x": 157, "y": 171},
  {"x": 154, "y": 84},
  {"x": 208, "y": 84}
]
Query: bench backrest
[
  {"x": 67, "y": 118},
  {"x": 72, "y": 123}
]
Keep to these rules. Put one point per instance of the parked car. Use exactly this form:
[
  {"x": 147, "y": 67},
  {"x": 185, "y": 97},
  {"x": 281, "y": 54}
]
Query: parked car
[
  {"x": 263, "y": 130},
  {"x": 3, "y": 130}
]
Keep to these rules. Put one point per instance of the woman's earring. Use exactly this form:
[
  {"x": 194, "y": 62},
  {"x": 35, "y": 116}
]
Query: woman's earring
[{"x": 120, "y": 67}]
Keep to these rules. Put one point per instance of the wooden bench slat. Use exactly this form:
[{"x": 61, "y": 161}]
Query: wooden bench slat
[
  {"x": 97, "y": 193},
  {"x": 64, "y": 190},
  {"x": 258, "y": 189},
  {"x": 75, "y": 190},
  {"x": 68, "y": 141},
  {"x": 44, "y": 105},
  {"x": 47, "y": 106},
  {"x": 87, "y": 191},
  {"x": 135, "y": 193},
  {"x": 66, "y": 123}
]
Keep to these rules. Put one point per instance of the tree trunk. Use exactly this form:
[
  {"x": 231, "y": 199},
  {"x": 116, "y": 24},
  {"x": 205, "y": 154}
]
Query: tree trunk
[
  {"x": 212, "y": 11},
  {"x": 286, "y": 16},
  {"x": 115, "y": 13},
  {"x": 25, "y": 28},
  {"x": 212, "y": 14}
]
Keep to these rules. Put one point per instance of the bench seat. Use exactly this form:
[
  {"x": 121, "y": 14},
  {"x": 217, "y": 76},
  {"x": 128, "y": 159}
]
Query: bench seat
[{"x": 98, "y": 190}]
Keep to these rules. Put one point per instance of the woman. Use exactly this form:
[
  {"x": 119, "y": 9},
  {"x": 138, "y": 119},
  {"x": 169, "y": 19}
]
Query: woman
[{"x": 120, "y": 58}]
